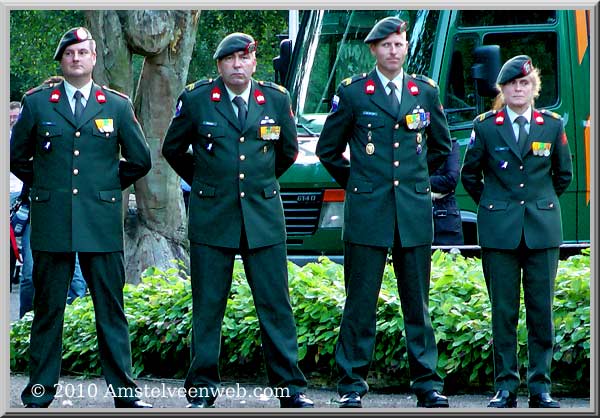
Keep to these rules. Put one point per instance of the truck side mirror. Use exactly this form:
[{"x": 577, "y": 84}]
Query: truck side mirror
[
  {"x": 485, "y": 69},
  {"x": 281, "y": 63}
]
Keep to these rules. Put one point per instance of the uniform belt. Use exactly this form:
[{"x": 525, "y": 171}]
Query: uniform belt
[{"x": 441, "y": 213}]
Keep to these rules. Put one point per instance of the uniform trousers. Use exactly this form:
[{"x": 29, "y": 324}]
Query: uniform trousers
[
  {"x": 266, "y": 272},
  {"x": 363, "y": 271},
  {"x": 502, "y": 270},
  {"x": 105, "y": 276}
]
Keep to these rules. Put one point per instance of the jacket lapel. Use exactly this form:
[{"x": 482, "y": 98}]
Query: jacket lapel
[
  {"x": 92, "y": 107},
  {"x": 379, "y": 97},
  {"x": 254, "y": 108},
  {"x": 507, "y": 134},
  {"x": 408, "y": 102},
  {"x": 225, "y": 105},
  {"x": 533, "y": 133},
  {"x": 63, "y": 108}
]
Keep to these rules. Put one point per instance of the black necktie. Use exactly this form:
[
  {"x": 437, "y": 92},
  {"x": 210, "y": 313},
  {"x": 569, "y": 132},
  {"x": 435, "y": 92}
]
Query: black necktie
[
  {"x": 522, "y": 139},
  {"x": 78, "y": 105},
  {"x": 395, "y": 106},
  {"x": 241, "y": 105}
]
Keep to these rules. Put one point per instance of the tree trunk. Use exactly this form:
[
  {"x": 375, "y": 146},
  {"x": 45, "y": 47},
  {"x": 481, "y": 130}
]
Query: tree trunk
[{"x": 156, "y": 232}]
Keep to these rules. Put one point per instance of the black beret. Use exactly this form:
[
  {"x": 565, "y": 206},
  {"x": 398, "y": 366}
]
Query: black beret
[
  {"x": 516, "y": 67},
  {"x": 384, "y": 28},
  {"x": 73, "y": 36},
  {"x": 235, "y": 42}
]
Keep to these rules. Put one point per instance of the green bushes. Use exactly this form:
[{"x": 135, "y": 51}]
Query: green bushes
[{"x": 159, "y": 314}]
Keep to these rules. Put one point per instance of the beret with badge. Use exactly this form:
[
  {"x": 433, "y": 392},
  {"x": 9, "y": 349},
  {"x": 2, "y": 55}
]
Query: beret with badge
[
  {"x": 235, "y": 42},
  {"x": 384, "y": 28},
  {"x": 72, "y": 36},
  {"x": 516, "y": 67}
]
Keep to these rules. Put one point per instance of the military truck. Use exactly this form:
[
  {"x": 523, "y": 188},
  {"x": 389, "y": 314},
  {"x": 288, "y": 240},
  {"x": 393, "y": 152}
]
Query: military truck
[{"x": 462, "y": 51}]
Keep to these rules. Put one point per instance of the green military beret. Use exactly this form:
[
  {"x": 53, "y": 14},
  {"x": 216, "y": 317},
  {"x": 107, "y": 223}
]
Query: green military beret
[
  {"x": 73, "y": 36},
  {"x": 516, "y": 67},
  {"x": 235, "y": 42},
  {"x": 384, "y": 28}
]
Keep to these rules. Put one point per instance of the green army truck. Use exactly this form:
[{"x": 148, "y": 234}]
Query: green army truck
[{"x": 461, "y": 50}]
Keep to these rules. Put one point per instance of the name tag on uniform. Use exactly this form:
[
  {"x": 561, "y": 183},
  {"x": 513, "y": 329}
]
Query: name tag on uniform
[{"x": 270, "y": 132}]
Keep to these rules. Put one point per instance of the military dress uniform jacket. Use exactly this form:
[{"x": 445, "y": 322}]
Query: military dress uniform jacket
[
  {"x": 233, "y": 171},
  {"x": 391, "y": 158},
  {"x": 517, "y": 189},
  {"x": 78, "y": 169}
]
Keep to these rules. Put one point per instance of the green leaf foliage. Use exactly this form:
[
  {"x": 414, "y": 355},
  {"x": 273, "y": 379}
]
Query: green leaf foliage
[{"x": 159, "y": 311}]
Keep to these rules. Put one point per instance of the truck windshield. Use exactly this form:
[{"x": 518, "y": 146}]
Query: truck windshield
[{"x": 331, "y": 48}]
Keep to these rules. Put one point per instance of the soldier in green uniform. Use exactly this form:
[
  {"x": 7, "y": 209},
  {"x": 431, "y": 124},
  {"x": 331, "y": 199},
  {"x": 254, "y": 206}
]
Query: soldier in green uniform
[
  {"x": 243, "y": 137},
  {"x": 398, "y": 135},
  {"x": 517, "y": 165},
  {"x": 78, "y": 145}
]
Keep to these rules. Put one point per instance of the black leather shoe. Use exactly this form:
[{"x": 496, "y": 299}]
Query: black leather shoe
[
  {"x": 543, "y": 400},
  {"x": 297, "y": 400},
  {"x": 119, "y": 403},
  {"x": 350, "y": 400},
  {"x": 432, "y": 399},
  {"x": 503, "y": 399},
  {"x": 201, "y": 403}
]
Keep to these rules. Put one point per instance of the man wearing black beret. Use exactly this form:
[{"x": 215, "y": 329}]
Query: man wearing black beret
[
  {"x": 517, "y": 165},
  {"x": 243, "y": 136},
  {"x": 78, "y": 145},
  {"x": 398, "y": 136}
]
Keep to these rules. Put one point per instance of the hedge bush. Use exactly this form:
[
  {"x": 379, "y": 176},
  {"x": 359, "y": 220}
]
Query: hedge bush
[{"x": 159, "y": 315}]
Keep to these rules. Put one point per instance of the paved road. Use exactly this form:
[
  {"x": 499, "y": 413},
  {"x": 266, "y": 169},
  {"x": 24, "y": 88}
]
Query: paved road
[{"x": 167, "y": 393}]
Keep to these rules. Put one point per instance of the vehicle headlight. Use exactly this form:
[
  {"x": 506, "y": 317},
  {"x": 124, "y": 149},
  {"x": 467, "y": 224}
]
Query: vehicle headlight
[{"x": 332, "y": 211}]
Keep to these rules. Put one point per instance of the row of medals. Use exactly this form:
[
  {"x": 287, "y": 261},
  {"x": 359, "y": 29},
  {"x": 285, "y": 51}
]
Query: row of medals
[{"x": 370, "y": 147}]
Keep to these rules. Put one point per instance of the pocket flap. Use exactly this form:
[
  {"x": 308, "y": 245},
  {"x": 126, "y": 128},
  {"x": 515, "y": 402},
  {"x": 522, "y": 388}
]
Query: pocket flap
[
  {"x": 546, "y": 204},
  {"x": 211, "y": 132},
  {"x": 39, "y": 195},
  {"x": 271, "y": 191},
  {"x": 204, "y": 190},
  {"x": 369, "y": 122},
  {"x": 422, "y": 187},
  {"x": 111, "y": 196},
  {"x": 47, "y": 131},
  {"x": 494, "y": 204},
  {"x": 361, "y": 187}
]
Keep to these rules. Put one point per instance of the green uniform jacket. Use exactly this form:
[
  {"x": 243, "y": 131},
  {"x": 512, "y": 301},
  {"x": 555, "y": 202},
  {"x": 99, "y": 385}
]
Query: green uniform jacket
[
  {"x": 76, "y": 173},
  {"x": 233, "y": 172},
  {"x": 391, "y": 185},
  {"x": 517, "y": 190}
]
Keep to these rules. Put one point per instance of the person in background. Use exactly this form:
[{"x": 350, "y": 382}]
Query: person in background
[
  {"x": 447, "y": 223},
  {"x": 78, "y": 145},
  {"x": 517, "y": 165},
  {"x": 398, "y": 135}
]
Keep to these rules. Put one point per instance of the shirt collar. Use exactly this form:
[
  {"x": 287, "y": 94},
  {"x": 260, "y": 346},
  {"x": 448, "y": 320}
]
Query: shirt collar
[
  {"x": 245, "y": 94},
  {"x": 71, "y": 89},
  {"x": 512, "y": 115},
  {"x": 397, "y": 80}
]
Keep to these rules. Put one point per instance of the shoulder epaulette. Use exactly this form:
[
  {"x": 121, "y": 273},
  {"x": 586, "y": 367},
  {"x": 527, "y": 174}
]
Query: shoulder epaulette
[
  {"x": 424, "y": 79},
  {"x": 273, "y": 86},
  {"x": 195, "y": 85},
  {"x": 118, "y": 93},
  {"x": 354, "y": 79},
  {"x": 550, "y": 113},
  {"x": 40, "y": 88},
  {"x": 485, "y": 115}
]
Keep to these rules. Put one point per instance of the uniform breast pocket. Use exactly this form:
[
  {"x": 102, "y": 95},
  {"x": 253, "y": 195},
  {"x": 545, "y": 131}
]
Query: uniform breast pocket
[
  {"x": 369, "y": 123},
  {"x": 208, "y": 134},
  {"x": 104, "y": 136},
  {"x": 47, "y": 134}
]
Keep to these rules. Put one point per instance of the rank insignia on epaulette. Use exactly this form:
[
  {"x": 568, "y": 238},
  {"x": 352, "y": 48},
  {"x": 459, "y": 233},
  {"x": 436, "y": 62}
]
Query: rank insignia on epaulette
[
  {"x": 199, "y": 83},
  {"x": 275, "y": 86},
  {"x": 550, "y": 113},
  {"x": 425, "y": 79},
  {"x": 118, "y": 93}
]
